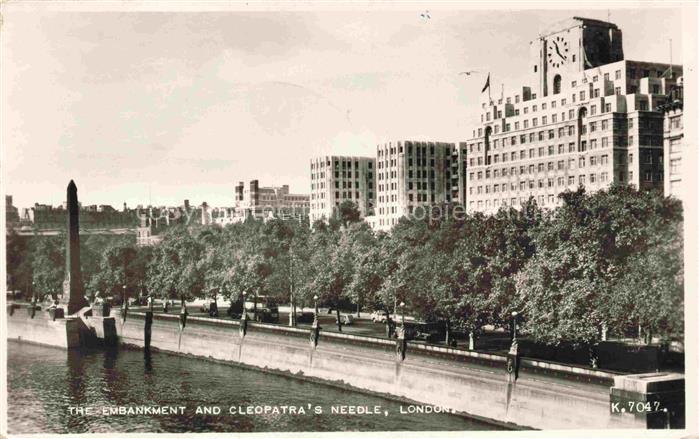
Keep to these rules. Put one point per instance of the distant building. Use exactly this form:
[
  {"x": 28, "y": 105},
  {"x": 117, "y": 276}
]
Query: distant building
[
  {"x": 588, "y": 120},
  {"x": 46, "y": 217},
  {"x": 11, "y": 212},
  {"x": 412, "y": 175},
  {"x": 674, "y": 147},
  {"x": 263, "y": 202},
  {"x": 335, "y": 179},
  {"x": 150, "y": 227}
]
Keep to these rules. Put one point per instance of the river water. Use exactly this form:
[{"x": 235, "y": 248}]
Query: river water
[{"x": 57, "y": 391}]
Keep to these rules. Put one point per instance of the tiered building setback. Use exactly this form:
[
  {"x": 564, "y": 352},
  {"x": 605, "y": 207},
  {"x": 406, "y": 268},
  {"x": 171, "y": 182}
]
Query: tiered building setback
[{"x": 589, "y": 119}]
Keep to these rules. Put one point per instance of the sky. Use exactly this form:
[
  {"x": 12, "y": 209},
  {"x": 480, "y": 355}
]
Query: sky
[{"x": 157, "y": 107}]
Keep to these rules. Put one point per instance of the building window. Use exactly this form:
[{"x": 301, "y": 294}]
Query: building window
[{"x": 675, "y": 166}]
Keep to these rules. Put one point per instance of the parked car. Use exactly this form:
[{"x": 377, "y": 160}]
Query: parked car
[
  {"x": 429, "y": 332},
  {"x": 210, "y": 307},
  {"x": 347, "y": 319},
  {"x": 379, "y": 316},
  {"x": 304, "y": 317},
  {"x": 267, "y": 309},
  {"x": 235, "y": 309}
]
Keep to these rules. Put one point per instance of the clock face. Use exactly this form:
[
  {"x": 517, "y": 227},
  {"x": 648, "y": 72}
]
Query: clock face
[{"x": 557, "y": 51}]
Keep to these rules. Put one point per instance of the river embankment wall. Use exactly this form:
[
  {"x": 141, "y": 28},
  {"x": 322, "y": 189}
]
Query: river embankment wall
[{"x": 544, "y": 395}]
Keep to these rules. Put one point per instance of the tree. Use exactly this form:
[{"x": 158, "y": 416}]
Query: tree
[
  {"x": 19, "y": 263},
  {"x": 366, "y": 266},
  {"x": 344, "y": 215},
  {"x": 330, "y": 268},
  {"x": 48, "y": 265},
  {"x": 587, "y": 257},
  {"x": 174, "y": 271}
]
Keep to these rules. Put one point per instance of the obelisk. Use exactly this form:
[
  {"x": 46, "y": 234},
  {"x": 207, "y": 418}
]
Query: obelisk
[{"x": 73, "y": 289}]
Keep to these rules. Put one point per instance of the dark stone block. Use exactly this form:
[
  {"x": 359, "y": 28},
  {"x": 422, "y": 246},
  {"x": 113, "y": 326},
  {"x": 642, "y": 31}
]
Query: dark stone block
[
  {"x": 12, "y": 307},
  {"x": 56, "y": 313},
  {"x": 32, "y": 310}
]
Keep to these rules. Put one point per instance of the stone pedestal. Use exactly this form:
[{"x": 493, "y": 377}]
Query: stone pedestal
[
  {"x": 656, "y": 400},
  {"x": 101, "y": 309}
]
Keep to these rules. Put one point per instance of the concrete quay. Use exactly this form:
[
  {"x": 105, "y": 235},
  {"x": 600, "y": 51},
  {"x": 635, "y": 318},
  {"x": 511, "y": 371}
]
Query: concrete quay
[{"x": 544, "y": 395}]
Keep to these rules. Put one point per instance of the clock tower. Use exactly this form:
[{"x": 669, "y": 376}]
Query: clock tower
[{"x": 572, "y": 46}]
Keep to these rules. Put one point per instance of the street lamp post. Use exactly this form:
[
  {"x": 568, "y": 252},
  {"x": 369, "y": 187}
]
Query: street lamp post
[
  {"x": 124, "y": 304},
  {"x": 315, "y": 328},
  {"x": 244, "y": 318},
  {"x": 513, "y": 354},
  {"x": 401, "y": 341},
  {"x": 32, "y": 311}
]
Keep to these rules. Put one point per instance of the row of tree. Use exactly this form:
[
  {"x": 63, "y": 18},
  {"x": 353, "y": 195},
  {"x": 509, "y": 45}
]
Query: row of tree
[{"x": 609, "y": 261}]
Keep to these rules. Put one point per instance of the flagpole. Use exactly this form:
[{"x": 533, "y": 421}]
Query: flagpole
[{"x": 671, "y": 72}]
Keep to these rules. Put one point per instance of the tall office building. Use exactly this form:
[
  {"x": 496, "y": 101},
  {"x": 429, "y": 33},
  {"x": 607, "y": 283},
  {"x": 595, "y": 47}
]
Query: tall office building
[
  {"x": 588, "y": 118},
  {"x": 674, "y": 147},
  {"x": 412, "y": 175},
  {"x": 335, "y": 179}
]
